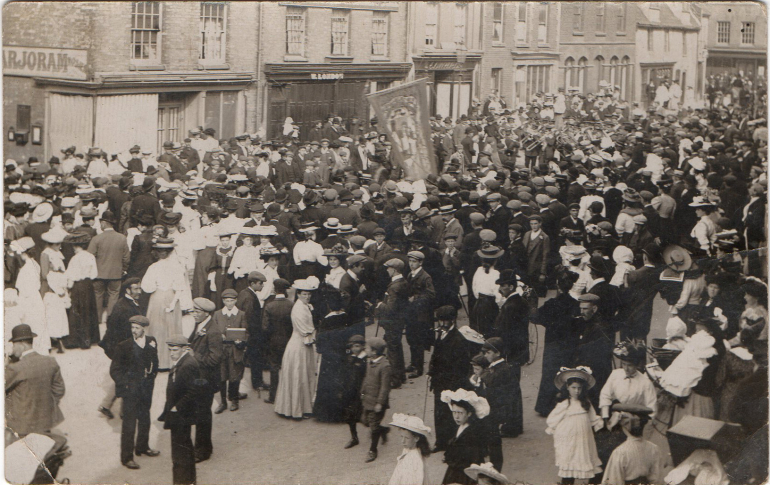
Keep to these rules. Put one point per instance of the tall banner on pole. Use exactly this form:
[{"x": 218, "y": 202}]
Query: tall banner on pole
[{"x": 403, "y": 115}]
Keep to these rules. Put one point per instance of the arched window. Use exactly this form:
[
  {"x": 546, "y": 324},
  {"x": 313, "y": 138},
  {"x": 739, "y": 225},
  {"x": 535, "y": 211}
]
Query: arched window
[
  {"x": 625, "y": 78},
  {"x": 614, "y": 75},
  {"x": 582, "y": 72},
  {"x": 569, "y": 67},
  {"x": 601, "y": 72}
]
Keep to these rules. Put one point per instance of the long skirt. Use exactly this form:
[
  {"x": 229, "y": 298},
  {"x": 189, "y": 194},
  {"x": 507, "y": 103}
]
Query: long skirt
[
  {"x": 34, "y": 314},
  {"x": 328, "y": 406},
  {"x": 83, "y": 318},
  {"x": 484, "y": 314},
  {"x": 555, "y": 356},
  {"x": 296, "y": 383},
  {"x": 163, "y": 324},
  {"x": 696, "y": 405}
]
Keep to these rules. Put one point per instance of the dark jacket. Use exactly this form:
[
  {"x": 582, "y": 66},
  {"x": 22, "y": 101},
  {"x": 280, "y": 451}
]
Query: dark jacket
[
  {"x": 182, "y": 392},
  {"x": 450, "y": 362},
  {"x": 276, "y": 322},
  {"x": 134, "y": 368},
  {"x": 376, "y": 386},
  {"x": 512, "y": 325},
  {"x": 206, "y": 343},
  {"x": 118, "y": 326}
]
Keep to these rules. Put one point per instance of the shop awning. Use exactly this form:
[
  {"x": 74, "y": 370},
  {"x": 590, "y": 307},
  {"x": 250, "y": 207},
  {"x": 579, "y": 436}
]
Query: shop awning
[{"x": 117, "y": 83}]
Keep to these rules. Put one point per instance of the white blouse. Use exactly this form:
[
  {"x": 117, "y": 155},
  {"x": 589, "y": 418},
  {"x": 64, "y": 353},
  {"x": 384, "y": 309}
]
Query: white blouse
[
  {"x": 82, "y": 267},
  {"x": 245, "y": 260},
  {"x": 309, "y": 251},
  {"x": 410, "y": 469},
  {"x": 28, "y": 280},
  {"x": 335, "y": 276},
  {"x": 166, "y": 274}
]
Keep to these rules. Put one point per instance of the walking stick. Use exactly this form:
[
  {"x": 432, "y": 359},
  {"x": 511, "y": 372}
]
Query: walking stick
[
  {"x": 425, "y": 402},
  {"x": 462, "y": 302}
]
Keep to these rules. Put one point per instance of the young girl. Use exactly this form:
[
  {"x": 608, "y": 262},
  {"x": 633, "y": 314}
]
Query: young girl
[
  {"x": 468, "y": 445},
  {"x": 411, "y": 468},
  {"x": 572, "y": 423},
  {"x": 245, "y": 258}
]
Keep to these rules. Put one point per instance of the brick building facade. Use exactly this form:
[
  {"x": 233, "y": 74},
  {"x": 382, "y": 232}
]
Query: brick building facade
[
  {"x": 322, "y": 58},
  {"x": 736, "y": 38},
  {"x": 144, "y": 73}
]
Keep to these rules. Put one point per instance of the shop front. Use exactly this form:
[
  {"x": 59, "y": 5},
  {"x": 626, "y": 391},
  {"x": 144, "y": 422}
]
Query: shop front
[
  {"x": 119, "y": 111},
  {"x": 534, "y": 73},
  {"x": 653, "y": 74},
  {"x": 451, "y": 82},
  {"x": 752, "y": 64},
  {"x": 309, "y": 93}
]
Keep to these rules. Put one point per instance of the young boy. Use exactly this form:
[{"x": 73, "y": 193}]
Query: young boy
[
  {"x": 374, "y": 393},
  {"x": 311, "y": 178},
  {"x": 232, "y": 352},
  {"x": 501, "y": 388},
  {"x": 355, "y": 369}
]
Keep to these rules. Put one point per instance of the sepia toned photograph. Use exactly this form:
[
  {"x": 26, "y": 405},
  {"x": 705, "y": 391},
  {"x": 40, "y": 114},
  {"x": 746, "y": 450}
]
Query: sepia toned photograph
[{"x": 385, "y": 242}]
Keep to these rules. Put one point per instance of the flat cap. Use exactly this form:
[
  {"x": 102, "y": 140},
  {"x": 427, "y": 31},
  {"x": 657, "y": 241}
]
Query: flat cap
[
  {"x": 487, "y": 235},
  {"x": 139, "y": 319},
  {"x": 281, "y": 285},
  {"x": 514, "y": 204},
  {"x": 416, "y": 255},
  {"x": 356, "y": 339},
  {"x": 377, "y": 344},
  {"x": 589, "y": 297},
  {"x": 229, "y": 293},
  {"x": 494, "y": 197},
  {"x": 494, "y": 343},
  {"x": 177, "y": 341},
  {"x": 395, "y": 263},
  {"x": 256, "y": 276},
  {"x": 542, "y": 199},
  {"x": 204, "y": 304},
  {"x": 355, "y": 259},
  {"x": 476, "y": 217}
]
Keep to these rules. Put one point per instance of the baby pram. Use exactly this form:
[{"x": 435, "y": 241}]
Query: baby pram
[{"x": 36, "y": 458}]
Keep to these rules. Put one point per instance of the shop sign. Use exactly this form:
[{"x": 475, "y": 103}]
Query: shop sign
[
  {"x": 45, "y": 62},
  {"x": 445, "y": 66},
  {"x": 326, "y": 76}
]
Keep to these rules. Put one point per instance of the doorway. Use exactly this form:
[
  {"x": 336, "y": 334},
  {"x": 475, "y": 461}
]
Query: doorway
[{"x": 169, "y": 121}]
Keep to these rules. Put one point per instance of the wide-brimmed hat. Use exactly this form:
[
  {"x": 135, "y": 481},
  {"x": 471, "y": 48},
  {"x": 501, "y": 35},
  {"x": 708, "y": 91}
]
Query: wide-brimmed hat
[
  {"x": 677, "y": 258},
  {"x": 631, "y": 195},
  {"x": 332, "y": 223},
  {"x": 634, "y": 352},
  {"x": 22, "y": 332},
  {"x": 583, "y": 373},
  {"x": 490, "y": 252},
  {"x": 78, "y": 237},
  {"x": 411, "y": 423},
  {"x": 486, "y": 469},
  {"x": 307, "y": 227},
  {"x": 480, "y": 404},
  {"x": 268, "y": 252},
  {"x": 42, "y": 213},
  {"x": 54, "y": 236},
  {"x": 309, "y": 284},
  {"x": 700, "y": 201}
]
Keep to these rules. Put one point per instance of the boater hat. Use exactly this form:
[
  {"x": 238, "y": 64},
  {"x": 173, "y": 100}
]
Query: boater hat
[
  {"x": 583, "y": 373},
  {"x": 411, "y": 423}
]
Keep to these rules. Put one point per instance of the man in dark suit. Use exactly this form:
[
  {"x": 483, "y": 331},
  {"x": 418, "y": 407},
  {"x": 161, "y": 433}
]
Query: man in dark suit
[
  {"x": 571, "y": 228},
  {"x": 181, "y": 409},
  {"x": 142, "y": 256},
  {"x": 206, "y": 343},
  {"x": 501, "y": 388},
  {"x": 538, "y": 246},
  {"x": 359, "y": 157},
  {"x": 350, "y": 288},
  {"x": 449, "y": 369},
  {"x": 420, "y": 311},
  {"x": 498, "y": 219},
  {"x": 754, "y": 224},
  {"x": 471, "y": 243},
  {"x": 117, "y": 195},
  {"x": 609, "y": 299},
  {"x": 277, "y": 328},
  {"x": 134, "y": 368},
  {"x": 110, "y": 248},
  {"x": 146, "y": 202},
  {"x": 33, "y": 387},
  {"x": 391, "y": 317},
  {"x": 256, "y": 348},
  {"x": 287, "y": 171},
  {"x": 595, "y": 344}
]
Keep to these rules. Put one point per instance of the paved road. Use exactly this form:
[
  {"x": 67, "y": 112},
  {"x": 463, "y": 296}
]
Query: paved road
[{"x": 254, "y": 445}]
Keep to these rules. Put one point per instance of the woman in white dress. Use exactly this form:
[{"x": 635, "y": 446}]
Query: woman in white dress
[
  {"x": 51, "y": 259},
  {"x": 271, "y": 258},
  {"x": 30, "y": 301},
  {"x": 411, "y": 468},
  {"x": 297, "y": 381},
  {"x": 81, "y": 271},
  {"x": 57, "y": 301},
  {"x": 166, "y": 281}
]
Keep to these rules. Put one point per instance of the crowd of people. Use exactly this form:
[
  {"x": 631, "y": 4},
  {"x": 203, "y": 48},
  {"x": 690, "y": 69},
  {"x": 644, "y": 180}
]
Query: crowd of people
[{"x": 220, "y": 255}]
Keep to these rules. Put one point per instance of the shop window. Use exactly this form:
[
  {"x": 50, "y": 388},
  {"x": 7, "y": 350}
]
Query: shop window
[
  {"x": 538, "y": 80},
  {"x": 146, "y": 32},
  {"x": 431, "y": 24},
  {"x": 340, "y": 32},
  {"x": 221, "y": 107},
  {"x": 577, "y": 18},
  {"x": 748, "y": 33},
  {"x": 723, "y": 32},
  {"x": 295, "y": 31},
  {"x": 498, "y": 13},
  {"x": 601, "y": 22},
  {"x": 213, "y": 23},
  {"x": 380, "y": 24},
  {"x": 461, "y": 21}
]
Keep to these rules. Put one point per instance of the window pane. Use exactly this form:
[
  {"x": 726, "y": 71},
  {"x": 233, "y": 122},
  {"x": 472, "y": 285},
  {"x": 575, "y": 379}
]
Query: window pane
[
  {"x": 431, "y": 23},
  {"x": 339, "y": 32},
  {"x": 380, "y": 33},
  {"x": 461, "y": 12},
  {"x": 295, "y": 31},
  {"x": 145, "y": 26}
]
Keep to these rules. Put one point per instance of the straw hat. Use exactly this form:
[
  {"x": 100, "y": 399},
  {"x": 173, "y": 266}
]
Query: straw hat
[
  {"x": 411, "y": 423},
  {"x": 309, "y": 284},
  {"x": 480, "y": 404},
  {"x": 54, "y": 236},
  {"x": 488, "y": 470},
  {"x": 583, "y": 373},
  {"x": 677, "y": 258}
]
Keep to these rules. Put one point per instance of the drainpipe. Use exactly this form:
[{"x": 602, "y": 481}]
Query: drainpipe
[{"x": 259, "y": 111}]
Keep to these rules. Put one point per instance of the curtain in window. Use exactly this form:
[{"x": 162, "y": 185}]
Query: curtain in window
[{"x": 124, "y": 121}]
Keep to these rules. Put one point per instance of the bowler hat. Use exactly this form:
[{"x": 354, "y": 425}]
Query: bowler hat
[{"x": 22, "y": 332}]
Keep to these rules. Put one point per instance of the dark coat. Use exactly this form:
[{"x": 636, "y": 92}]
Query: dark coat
[
  {"x": 500, "y": 383},
  {"x": 498, "y": 221},
  {"x": 142, "y": 256},
  {"x": 463, "y": 451},
  {"x": 134, "y": 368},
  {"x": 537, "y": 253},
  {"x": 276, "y": 323},
  {"x": 182, "y": 391},
  {"x": 112, "y": 254},
  {"x": 207, "y": 344},
  {"x": 594, "y": 350},
  {"x": 450, "y": 363},
  {"x": 376, "y": 386},
  {"x": 118, "y": 326},
  {"x": 33, "y": 388},
  {"x": 145, "y": 204},
  {"x": 636, "y": 311},
  {"x": 352, "y": 298},
  {"x": 512, "y": 325}
]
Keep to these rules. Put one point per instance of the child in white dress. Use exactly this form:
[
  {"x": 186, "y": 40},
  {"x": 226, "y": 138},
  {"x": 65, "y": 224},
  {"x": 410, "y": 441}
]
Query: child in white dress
[
  {"x": 57, "y": 301},
  {"x": 572, "y": 423}
]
